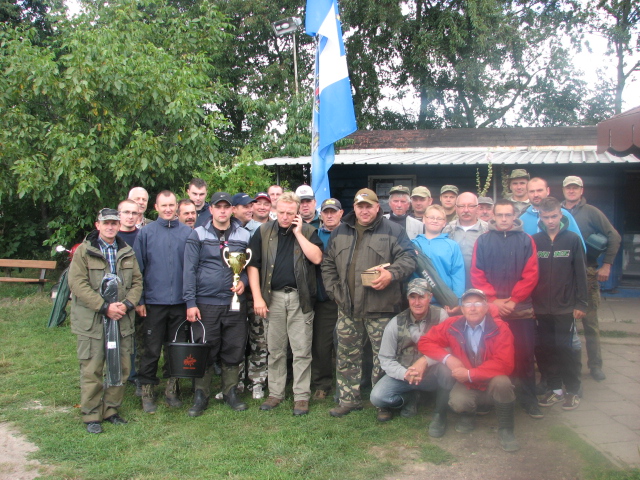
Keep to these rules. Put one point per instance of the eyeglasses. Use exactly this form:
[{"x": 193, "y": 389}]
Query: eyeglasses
[
  {"x": 474, "y": 304},
  {"x": 435, "y": 219},
  {"x": 467, "y": 207},
  {"x": 127, "y": 212}
]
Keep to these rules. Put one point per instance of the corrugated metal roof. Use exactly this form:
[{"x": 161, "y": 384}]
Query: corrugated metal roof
[{"x": 444, "y": 156}]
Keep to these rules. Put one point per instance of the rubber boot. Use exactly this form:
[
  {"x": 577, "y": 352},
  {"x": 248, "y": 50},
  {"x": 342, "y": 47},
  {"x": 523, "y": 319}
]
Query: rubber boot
[
  {"x": 505, "y": 414},
  {"x": 148, "y": 403},
  {"x": 229, "y": 387},
  {"x": 200, "y": 404},
  {"x": 438, "y": 423},
  {"x": 171, "y": 393},
  {"x": 410, "y": 406},
  {"x": 467, "y": 422}
]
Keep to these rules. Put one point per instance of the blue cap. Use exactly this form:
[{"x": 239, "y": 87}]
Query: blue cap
[{"x": 242, "y": 199}]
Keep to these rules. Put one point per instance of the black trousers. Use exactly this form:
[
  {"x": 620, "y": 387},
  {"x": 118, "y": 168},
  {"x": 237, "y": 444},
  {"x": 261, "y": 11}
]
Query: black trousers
[
  {"x": 556, "y": 337},
  {"x": 225, "y": 331},
  {"x": 323, "y": 345},
  {"x": 159, "y": 326},
  {"x": 524, "y": 339}
]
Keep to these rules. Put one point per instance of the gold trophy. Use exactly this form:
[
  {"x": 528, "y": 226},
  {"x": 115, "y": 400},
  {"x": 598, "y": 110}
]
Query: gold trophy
[{"x": 236, "y": 261}]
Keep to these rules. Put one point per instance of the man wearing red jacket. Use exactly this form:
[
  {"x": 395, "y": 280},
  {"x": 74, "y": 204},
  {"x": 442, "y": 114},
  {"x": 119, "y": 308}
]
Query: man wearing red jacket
[
  {"x": 478, "y": 349},
  {"x": 505, "y": 267}
]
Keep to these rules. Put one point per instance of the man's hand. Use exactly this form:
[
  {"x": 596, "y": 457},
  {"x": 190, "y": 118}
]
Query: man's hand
[
  {"x": 451, "y": 311},
  {"x": 416, "y": 371},
  {"x": 239, "y": 288},
  {"x": 260, "y": 307},
  {"x": 116, "y": 311},
  {"x": 578, "y": 314},
  {"x": 297, "y": 224},
  {"x": 603, "y": 272},
  {"x": 461, "y": 374},
  {"x": 383, "y": 280},
  {"x": 141, "y": 310},
  {"x": 193, "y": 314},
  {"x": 505, "y": 306}
]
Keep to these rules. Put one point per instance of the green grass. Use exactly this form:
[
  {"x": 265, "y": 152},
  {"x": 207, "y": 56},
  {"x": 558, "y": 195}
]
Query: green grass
[
  {"x": 596, "y": 465},
  {"x": 39, "y": 392}
]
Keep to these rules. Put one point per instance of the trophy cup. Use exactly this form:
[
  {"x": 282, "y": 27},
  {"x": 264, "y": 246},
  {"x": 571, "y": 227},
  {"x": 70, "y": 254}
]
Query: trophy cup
[{"x": 236, "y": 262}]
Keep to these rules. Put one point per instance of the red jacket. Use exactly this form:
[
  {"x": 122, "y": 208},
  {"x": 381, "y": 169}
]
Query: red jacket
[{"x": 496, "y": 348}]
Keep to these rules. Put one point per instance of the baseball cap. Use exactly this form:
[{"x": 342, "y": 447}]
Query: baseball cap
[
  {"x": 331, "y": 203},
  {"x": 449, "y": 188},
  {"x": 365, "y": 195},
  {"x": 572, "y": 180},
  {"x": 519, "y": 173},
  {"x": 419, "y": 286},
  {"x": 305, "y": 192},
  {"x": 399, "y": 189},
  {"x": 220, "y": 197},
  {"x": 474, "y": 291},
  {"x": 241, "y": 199},
  {"x": 108, "y": 214},
  {"x": 421, "y": 192},
  {"x": 264, "y": 196},
  {"x": 485, "y": 200}
]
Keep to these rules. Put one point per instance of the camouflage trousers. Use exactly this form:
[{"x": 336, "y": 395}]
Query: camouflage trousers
[
  {"x": 351, "y": 335},
  {"x": 590, "y": 320},
  {"x": 256, "y": 366}
]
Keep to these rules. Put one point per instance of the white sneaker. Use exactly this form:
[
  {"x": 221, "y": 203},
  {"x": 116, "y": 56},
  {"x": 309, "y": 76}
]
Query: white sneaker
[
  {"x": 219, "y": 396},
  {"x": 258, "y": 391}
]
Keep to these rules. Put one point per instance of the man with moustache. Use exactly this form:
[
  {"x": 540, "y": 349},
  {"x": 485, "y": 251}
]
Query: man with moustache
[
  {"x": 485, "y": 208},
  {"x": 187, "y": 212},
  {"x": 399, "y": 202}
]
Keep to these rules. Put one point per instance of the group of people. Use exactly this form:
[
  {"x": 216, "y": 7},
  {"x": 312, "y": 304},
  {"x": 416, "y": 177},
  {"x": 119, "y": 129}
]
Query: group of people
[{"x": 323, "y": 287}]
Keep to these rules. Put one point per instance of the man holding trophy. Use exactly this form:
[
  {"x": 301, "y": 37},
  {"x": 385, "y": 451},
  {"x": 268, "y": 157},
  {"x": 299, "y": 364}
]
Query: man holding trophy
[{"x": 214, "y": 284}]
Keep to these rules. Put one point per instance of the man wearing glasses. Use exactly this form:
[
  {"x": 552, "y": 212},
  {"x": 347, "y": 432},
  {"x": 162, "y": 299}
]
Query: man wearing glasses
[
  {"x": 505, "y": 268},
  {"x": 478, "y": 349},
  {"x": 129, "y": 214},
  {"x": 466, "y": 229}
]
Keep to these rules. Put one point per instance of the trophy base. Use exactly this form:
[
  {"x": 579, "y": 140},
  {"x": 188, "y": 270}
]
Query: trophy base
[{"x": 235, "y": 306}]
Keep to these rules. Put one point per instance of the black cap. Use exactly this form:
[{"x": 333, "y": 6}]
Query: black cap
[
  {"x": 220, "y": 197},
  {"x": 331, "y": 203}
]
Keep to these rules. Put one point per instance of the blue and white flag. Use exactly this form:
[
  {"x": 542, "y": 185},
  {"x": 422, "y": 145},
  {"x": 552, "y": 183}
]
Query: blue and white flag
[{"x": 333, "y": 114}]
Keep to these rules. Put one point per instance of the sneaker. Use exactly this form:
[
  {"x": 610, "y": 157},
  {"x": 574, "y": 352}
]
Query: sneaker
[
  {"x": 534, "y": 411},
  {"x": 93, "y": 427},
  {"x": 219, "y": 396},
  {"x": 342, "y": 410},
  {"x": 571, "y": 401},
  {"x": 384, "y": 415},
  {"x": 270, "y": 403},
  {"x": 258, "y": 391},
  {"x": 550, "y": 399}
]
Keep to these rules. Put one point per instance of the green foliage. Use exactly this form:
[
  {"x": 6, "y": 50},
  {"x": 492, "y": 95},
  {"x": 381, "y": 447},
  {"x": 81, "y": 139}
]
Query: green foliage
[
  {"x": 482, "y": 190},
  {"x": 121, "y": 97},
  {"x": 243, "y": 176}
]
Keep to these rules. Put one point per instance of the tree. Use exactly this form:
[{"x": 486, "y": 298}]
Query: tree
[
  {"x": 107, "y": 104},
  {"x": 619, "y": 22}
]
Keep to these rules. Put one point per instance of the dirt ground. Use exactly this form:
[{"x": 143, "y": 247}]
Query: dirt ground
[{"x": 478, "y": 455}]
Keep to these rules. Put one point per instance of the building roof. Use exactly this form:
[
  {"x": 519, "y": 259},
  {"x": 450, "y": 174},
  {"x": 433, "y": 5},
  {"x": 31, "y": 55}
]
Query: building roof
[
  {"x": 620, "y": 133},
  {"x": 469, "y": 146}
]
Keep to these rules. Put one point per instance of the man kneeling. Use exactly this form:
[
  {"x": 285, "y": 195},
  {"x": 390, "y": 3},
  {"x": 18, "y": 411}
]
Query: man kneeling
[
  {"x": 398, "y": 356},
  {"x": 478, "y": 349}
]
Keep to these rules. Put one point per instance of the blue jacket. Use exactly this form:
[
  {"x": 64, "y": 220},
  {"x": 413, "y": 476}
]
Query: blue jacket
[
  {"x": 207, "y": 278},
  {"x": 447, "y": 258},
  {"x": 531, "y": 217},
  {"x": 159, "y": 249}
]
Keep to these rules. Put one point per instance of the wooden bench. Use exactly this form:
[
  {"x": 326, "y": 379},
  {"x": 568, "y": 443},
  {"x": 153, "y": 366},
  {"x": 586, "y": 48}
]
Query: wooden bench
[{"x": 43, "y": 265}]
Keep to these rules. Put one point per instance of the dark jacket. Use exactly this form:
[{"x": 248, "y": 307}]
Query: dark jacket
[
  {"x": 562, "y": 284},
  {"x": 160, "y": 252},
  {"x": 590, "y": 220},
  {"x": 207, "y": 278},
  {"x": 505, "y": 265},
  {"x": 495, "y": 350},
  {"x": 304, "y": 270},
  {"x": 204, "y": 215},
  {"x": 384, "y": 242},
  {"x": 86, "y": 273}
]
